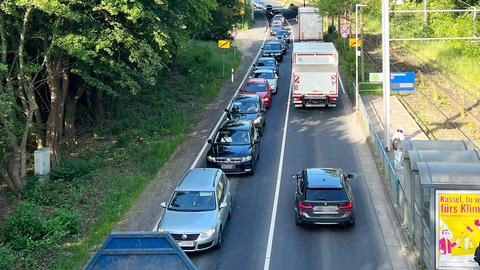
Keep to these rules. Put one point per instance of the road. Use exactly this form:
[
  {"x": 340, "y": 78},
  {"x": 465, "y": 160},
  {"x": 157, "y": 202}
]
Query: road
[{"x": 315, "y": 138}]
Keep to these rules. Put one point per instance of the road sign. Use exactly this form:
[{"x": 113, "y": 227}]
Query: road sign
[
  {"x": 399, "y": 81},
  {"x": 375, "y": 77},
  {"x": 344, "y": 30},
  {"x": 224, "y": 44},
  {"x": 354, "y": 42},
  {"x": 402, "y": 81}
]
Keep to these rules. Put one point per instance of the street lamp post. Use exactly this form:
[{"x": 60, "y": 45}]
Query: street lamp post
[
  {"x": 386, "y": 71},
  {"x": 357, "y": 94}
]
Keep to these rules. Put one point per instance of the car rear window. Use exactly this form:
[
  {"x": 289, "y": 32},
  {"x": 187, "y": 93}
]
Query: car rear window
[
  {"x": 265, "y": 75},
  {"x": 272, "y": 46},
  {"x": 266, "y": 64},
  {"x": 326, "y": 194},
  {"x": 255, "y": 88}
]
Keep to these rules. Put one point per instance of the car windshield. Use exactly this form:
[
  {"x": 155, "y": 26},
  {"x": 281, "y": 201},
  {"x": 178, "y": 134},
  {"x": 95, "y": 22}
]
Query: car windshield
[
  {"x": 193, "y": 201},
  {"x": 265, "y": 75},
  {"x": 232, "y": 137},
  {"x": 255, "y": 87},
  {"x": 326, "y": 194},
  {"x": 266, "y": 63},
  {"x": 272, "y": 46},
  {"x": 250, "y": 106}
]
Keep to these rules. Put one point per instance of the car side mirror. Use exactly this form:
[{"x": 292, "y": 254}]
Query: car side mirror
[
  {"x": 163, "y": 204},
  {"x": 264, "y": 110},
  {"x": 350, "y": 175},
  {"x": 296, "y": 176},
  {"x": 257, "y": 141},
  {"x": 250, "y": 77},
  {"x": 223, "y": 205},
  {"x": 209, "y": 141}
]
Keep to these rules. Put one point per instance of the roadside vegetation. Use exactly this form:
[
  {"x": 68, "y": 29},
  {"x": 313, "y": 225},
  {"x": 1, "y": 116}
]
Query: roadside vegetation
[{"x": 112, "y": 94}]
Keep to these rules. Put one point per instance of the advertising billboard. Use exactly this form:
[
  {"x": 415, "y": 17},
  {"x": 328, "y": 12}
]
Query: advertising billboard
[{"x": 457, "y": 228}]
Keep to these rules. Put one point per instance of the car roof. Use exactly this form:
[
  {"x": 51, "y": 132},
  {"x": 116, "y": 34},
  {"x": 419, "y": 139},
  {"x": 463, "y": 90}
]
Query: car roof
[
  {"x": 236, "y": 125},
  {"x": 266, "y": 59},
  {"x": 274, "y": 41},
  {"x": 199, "y": 179},
  {"x": 256, "y": 81},
  {"x": 264, "y": 70},
  {"x": 324, "y": 178},
  {"x": 246, "y": 97}
]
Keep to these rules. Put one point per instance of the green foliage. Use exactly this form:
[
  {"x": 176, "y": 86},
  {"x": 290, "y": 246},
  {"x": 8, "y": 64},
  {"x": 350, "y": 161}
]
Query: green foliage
[
  {"x": 31, "y": 230},
  {"x": 6, "y": 258},
  {"x": 71, "y": 169},
  {"x": 334, "y": 7}
]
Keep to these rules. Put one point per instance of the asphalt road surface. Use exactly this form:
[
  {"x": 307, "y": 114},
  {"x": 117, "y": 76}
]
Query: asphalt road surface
[{"x": 315, "y": 138}]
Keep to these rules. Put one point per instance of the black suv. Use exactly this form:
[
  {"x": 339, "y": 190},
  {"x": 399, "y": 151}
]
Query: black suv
[
  {"x": 248, "y": 107},
  {"x": 273, "y": 49},
  {"x": 324, "y": 196},
  {"x": 235, "y": 147}
]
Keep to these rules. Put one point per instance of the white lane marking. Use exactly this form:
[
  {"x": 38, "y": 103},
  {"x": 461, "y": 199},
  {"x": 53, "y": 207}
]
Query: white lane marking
[
  {"x": 271, "y": 232},
  {"x": 224, "y": 114}
]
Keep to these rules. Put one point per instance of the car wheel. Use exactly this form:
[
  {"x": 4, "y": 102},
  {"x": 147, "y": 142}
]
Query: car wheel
[
  {"x": 252, "y": 171},
  {"x": 219, "y": 239},
  {"x": 298, "y": 222}
]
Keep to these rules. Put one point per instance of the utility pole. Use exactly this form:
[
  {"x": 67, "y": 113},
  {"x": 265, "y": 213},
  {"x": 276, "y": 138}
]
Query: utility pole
[
  {"x": 424, "y": 23},
  {"x": 357, "y": 94},
  {"x": 386, "y": 71}
]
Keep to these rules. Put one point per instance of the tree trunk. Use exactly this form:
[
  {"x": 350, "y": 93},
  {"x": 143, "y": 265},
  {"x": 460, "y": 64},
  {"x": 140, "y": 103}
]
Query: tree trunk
[
  {"x": 99, "y": 109},
  {"x": 71, "y": 102},
  {"x": 58, "y": 89}
]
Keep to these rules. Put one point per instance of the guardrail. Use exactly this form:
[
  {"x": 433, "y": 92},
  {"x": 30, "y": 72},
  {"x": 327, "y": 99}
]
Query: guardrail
[{"x": 387, "y": 169}]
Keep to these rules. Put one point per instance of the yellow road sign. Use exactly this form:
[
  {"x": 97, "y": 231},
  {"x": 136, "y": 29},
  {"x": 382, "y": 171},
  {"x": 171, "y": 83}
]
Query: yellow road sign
[
  {"x": 224, "y": 44},
  {"x": 355, "y": 43}
]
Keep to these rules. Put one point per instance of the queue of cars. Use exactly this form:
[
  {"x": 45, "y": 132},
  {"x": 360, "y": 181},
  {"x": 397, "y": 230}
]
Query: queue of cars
[{"x": 201, "y": 205}]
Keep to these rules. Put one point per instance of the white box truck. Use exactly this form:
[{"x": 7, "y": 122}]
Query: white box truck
[
  {"x": 310, "y": 24},
  {"x": 314, "y": 74}
]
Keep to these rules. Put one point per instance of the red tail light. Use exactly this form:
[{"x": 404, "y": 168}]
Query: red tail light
[
  {"x": 349, "y": 206},
  {"x": 332, "y": 98},
  {"x": 303, "y": 206}
]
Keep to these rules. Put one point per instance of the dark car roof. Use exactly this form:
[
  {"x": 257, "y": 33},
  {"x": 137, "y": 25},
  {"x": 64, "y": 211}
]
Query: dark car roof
[
  {"x": 324, "y": 178},
  {"x": 236, "y": 125},
  {"x": 246, "y": 97}
]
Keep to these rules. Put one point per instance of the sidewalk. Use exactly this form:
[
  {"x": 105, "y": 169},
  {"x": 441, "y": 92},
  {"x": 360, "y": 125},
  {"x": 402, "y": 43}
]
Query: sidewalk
[
  {"x": 146, "y": 211},
  {"x": 399, "y": 117}
]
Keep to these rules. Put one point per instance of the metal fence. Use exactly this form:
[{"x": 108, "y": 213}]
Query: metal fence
[{"x": 386, "y": 169}]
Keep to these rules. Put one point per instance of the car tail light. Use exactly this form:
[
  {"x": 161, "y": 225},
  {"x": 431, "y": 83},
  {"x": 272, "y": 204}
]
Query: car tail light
[
  {"x": 347, "y": 207},
  {"x": 303, "y": 206}
]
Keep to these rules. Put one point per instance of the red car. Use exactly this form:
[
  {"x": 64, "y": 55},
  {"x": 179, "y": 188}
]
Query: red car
[{"x": 260, "y": 87}]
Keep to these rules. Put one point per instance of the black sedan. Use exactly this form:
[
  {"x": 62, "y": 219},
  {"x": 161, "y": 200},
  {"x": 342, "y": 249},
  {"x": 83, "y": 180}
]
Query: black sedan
[
  {"x": 250, "y": 108},
  {"x": 283, "y": 45},
  {"x": 324, "y": 196},
  {"x": 266, "y": 62},
  {"x": 273, "y": 49},
  {"x": 284, "y": 35},
  {"x": 235, "y": 147}
]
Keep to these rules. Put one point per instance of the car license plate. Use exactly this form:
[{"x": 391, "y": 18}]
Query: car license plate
[
  {"x": 186, "y": 243},
  {"x": 325, "y": 209},
  {"x": 228, "y": 166}
]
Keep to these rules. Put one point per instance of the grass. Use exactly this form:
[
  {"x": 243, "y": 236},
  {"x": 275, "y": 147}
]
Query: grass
[{"x": 119, "y": 162}]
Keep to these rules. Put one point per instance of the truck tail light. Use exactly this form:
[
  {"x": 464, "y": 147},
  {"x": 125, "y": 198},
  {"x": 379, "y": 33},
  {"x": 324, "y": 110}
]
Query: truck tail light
[{"x": 332, "y": 98}]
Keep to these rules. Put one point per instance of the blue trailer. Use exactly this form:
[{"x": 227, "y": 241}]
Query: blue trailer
[{"x": 140, "y": 250}]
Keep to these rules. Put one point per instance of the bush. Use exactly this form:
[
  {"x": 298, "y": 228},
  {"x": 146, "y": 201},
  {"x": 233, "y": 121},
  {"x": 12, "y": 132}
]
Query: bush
[
  {"x": 6, "y": 258},
  {"x": 71, "y": 169},
  {"x": 28, "y": 229}
]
